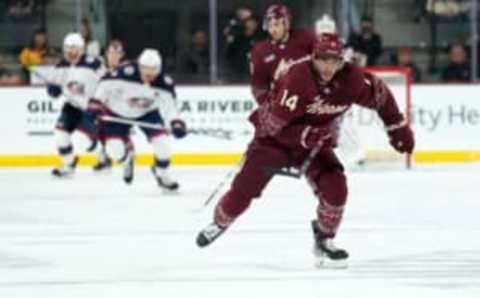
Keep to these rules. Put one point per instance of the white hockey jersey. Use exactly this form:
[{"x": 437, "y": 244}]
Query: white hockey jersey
[
  {"x": 80, "y": 81},
  {"x": 124, "y": 93}
]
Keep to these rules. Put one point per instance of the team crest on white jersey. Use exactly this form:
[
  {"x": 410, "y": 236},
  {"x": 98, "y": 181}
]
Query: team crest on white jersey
[
  {"x": 76, "y": 88},
  {"x": 269, "y": 58},
  {"x": 140, "y": 102}
]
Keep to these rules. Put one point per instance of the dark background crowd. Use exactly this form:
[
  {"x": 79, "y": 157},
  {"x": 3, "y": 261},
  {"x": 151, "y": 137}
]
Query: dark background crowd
[{"x": 431, "y": 37}]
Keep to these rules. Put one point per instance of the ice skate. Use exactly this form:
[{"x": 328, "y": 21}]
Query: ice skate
[
  {"x": 209, "y": 234},
  {"x": 128, "y": 168},
  {"x": 65, "y": 170},
  {"x": 103, "y": 162},
  {"x": 102, "y": 166},
  {"x": 325, "y": 251},
  {"x": 164, "y": 180}
]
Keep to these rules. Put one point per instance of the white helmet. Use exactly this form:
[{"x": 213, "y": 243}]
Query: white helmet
[
  {"x": 74, "y": 39},
  {"x": 150, "y": 58},
  {"x": 325, "y": 25}
]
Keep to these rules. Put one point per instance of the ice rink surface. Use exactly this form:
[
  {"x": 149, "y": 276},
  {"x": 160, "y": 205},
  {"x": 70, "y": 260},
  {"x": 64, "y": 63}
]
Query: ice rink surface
[{"x": 409, "y": 234}]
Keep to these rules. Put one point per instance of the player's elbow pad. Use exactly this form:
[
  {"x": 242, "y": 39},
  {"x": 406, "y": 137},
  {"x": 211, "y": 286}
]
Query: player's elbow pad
[{"x": 54, "y": 90}]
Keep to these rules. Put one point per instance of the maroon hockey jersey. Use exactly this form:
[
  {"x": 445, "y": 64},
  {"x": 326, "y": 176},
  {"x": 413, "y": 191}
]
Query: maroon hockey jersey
[
  {"x": 301, "y": 101},
  {"x": 269, "y": 59}
]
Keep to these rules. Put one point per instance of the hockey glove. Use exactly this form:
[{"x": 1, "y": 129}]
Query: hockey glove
[
  {"x": 402, "y": 139},
  {"x": 179, "y": 128},
  {"x": 54, "y": 90},
  {"x": 96, "y": 109},
  {"x": 318, "y": 136}
]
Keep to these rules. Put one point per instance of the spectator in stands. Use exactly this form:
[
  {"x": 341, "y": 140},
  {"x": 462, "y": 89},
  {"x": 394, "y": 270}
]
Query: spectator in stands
[
  {"x": 348, "y": 12},
  {"x": 197, "y": 59},
  {"x": 20, "y": 8},
  {"x": 447, "y": 8},
  {"x": 241, "y": 34},
  {"x": 34, "y": 54},
  {"x": 458, "y": 68},
  {"x": 419, "y": 10},
  {"x": 92, "y": 46},
  {"x": 404, "y": 59},
  {"x": 366, "y": 41},
  {"x": 8, "y": 78}
]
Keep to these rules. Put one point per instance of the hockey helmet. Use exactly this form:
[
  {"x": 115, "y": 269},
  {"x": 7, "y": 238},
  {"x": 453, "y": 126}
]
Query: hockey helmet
[
  {"x": 74, "y": 39},
  {"x": 277, "y": 11},
  {"x": 150, "y": 58},
  {"x": 328, "y": 44},
  {"x": 325, "y": 25}
]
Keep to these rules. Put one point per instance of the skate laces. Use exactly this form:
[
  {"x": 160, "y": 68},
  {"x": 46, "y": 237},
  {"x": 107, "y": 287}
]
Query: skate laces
[
  {"x": 66, "y": 168},
  {"x": 330, "y": 245},
  {"x": 164, "y": 176}
]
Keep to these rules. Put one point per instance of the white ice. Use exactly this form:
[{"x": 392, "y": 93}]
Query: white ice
[{"x": 409, "y": 233}]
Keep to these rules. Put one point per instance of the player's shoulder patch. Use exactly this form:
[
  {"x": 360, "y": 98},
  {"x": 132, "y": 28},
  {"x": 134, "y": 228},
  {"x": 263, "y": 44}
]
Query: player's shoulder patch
[
  {"x": 89, "y": 59},
  {"x": 114, "y": 73},
  {"x": 128, "y": 70},
  {"x": 166, "y": 83},
  {"x": 269, "y": 58},
  {"x": 90, "y": 62},
  {"x": 168, "y": 80}
]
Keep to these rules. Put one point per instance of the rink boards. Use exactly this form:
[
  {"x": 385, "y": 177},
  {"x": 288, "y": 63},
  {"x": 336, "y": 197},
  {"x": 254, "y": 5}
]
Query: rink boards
[{"x": 445, "y": 119}]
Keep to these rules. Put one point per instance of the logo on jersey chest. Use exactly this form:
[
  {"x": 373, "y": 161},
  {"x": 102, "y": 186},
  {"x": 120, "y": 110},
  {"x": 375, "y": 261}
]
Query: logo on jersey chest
[
  {"x": 76, "y": 88},
  {"x": 140, "y": 102},
  {"x": 320, "y": 107}
]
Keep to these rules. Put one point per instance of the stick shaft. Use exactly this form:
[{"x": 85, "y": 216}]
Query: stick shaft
[{"x": 132, "y": 122}]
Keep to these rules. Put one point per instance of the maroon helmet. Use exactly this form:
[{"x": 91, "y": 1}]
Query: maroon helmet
[
  {"x": 328, "y": 44},
  {"x": 277, "y": 11}
]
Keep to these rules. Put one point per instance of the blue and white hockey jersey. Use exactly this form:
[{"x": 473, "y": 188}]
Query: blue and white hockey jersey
[
  {"x": 124, "y": 93},
  {"x": 78, "y": 82}
]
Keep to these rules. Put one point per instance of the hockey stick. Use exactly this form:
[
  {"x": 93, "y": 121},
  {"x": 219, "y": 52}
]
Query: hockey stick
[
  {"x": 36, "y": 73},
  {"x": 292, "y": 172},
  {"x": 224, "y": 181},
  {"x": 131, "y": 122},
  {"x": 41, "y": 76},
  {"x": 211, "y": 132},
  {"x": 220, "y": 185}
]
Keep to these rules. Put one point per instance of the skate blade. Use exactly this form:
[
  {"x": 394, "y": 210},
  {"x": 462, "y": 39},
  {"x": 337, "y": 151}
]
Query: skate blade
[
  {"x": 102, "y": 172},
  {"x": 60, "y": 177},
  {"x": 324, "y": 263},
  {"x": 170, "y": 192}
]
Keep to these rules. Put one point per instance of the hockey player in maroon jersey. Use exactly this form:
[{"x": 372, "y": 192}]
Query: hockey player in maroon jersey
[
  {"x": 299, "y": 119},
  {"x": 271, "y": 57}
]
